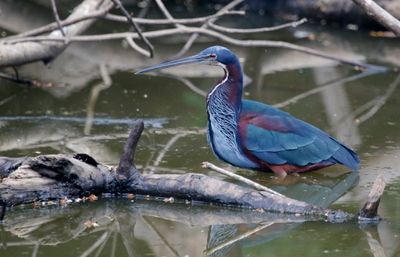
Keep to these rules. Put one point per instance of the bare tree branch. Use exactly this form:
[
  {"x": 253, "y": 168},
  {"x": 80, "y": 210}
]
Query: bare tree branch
[
  {"x": 113, "y": 17},
  {"x": 195, "y": 30},
  {"x": 380, "y": 15},
  {"x": 136, "y": 28},
  {"x": 14, "y": 55},
  {"x": 57, "y": 17},
  {"x": 53, "y": 26},
  {"x": 194, "y": 36}
]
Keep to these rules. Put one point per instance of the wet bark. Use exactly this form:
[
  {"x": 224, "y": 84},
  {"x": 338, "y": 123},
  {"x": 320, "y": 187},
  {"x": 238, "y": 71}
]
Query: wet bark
[{"x": 48, "y": 177}]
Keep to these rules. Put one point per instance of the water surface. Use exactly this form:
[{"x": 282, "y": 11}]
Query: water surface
[{"x": 80, "y": 114}]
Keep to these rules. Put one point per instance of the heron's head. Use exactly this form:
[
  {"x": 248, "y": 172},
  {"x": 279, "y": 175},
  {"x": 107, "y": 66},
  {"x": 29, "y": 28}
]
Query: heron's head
[{"x": 213, "y": 55}]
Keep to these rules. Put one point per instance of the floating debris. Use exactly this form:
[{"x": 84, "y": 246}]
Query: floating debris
[{"x": 91, "y": 224}]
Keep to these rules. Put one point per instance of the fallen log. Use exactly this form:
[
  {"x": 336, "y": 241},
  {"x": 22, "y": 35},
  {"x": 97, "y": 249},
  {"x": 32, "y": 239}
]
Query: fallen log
[{"x": 49, "y": 177}]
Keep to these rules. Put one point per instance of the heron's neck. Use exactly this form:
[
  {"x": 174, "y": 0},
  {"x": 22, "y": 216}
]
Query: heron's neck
[
  {"x": 223, "y": 111},
  {"x": 225, "y": 97}
]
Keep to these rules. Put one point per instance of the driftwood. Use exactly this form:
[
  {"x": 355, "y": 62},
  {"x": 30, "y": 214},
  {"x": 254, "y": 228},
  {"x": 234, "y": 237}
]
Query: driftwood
[{"x": 49, "y": 177}]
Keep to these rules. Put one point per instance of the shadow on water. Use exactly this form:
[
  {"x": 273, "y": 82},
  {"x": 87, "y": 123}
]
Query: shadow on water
[{"x": 92, "y": 115}]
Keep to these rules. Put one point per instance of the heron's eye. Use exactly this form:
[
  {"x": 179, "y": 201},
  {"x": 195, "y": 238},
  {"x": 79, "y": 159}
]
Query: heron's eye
[{"x": 213, "y": 55}]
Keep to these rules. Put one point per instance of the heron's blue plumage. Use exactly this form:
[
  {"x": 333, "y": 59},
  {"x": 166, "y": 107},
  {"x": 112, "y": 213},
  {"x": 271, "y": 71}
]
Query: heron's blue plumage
[
  {"x": 278, "y": 138},
  {"x": 254, "y": 135}
]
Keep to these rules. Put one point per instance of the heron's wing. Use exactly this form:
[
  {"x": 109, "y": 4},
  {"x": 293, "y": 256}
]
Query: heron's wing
[{"x": 278, "y": 138}]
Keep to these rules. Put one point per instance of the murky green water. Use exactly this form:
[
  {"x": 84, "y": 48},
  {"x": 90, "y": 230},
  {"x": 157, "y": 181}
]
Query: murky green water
[{"x": 80, "y": 114}]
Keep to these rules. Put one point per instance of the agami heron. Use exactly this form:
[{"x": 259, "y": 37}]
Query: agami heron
[{"x": 253, "y": 135}]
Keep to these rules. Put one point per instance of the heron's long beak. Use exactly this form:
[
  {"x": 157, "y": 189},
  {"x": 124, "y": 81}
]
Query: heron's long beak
[{"x": 186, "y": 60}]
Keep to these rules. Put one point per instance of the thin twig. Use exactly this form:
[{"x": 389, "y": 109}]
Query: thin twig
[
  {"x": 166, "y": 13},
  {"x": 257, "y": 30},
  {"x": 103, "y": 13},
  {"x": 166, "y": 148},
  {"x": 160, "y": 236},
  {"x": 35, "y": 249},
  {"x": 247, "y": 181},
  {"x": 101, "y": 247},
  {"x": 57, "y": 17},
  {"x": 380, "y": 102},
  {"x": 7, "y": 99},
  {"x": 27, "y": 82},
  {"x": 237, "y": 238},
  {"x": 16, "y": 79},
  {"x": 119, "y": 18},
  {"x": 95, "y": 245},
  {"x": 187, "y": 83},
  {"x": 371, "y": 107},
  {"x": 94, "y": 94},
  {"x": 322, "y": 87},
  {"x": 135, "y": 26},
  {"x": 194, "y": 36},
  {"x": 380, "y": 15},
  {"x": 136, "y": 47}
]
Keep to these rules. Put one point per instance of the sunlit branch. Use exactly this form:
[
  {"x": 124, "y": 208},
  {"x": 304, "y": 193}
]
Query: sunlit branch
[{"x": 145, "y": 21}]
